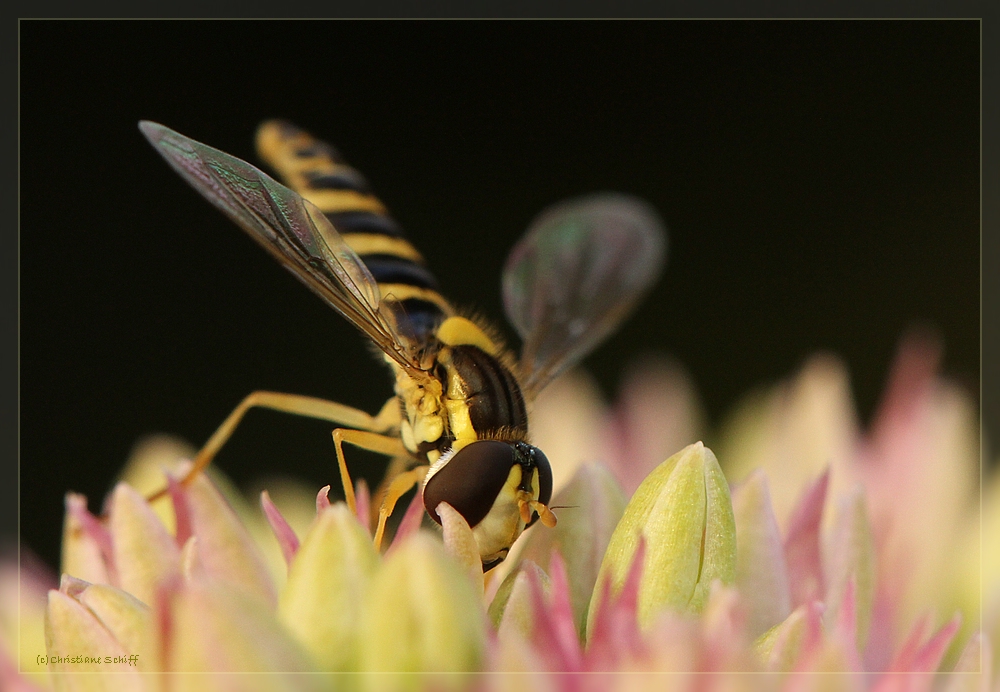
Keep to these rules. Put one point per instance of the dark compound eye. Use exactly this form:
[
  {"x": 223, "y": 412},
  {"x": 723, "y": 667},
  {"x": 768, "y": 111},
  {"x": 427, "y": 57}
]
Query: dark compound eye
[
  {"x": 534, "y": 457},
  {"x": 471, "y": 481}
]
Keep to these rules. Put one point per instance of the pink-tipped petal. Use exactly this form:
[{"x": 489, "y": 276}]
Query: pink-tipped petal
[
  {"x": 913, "y": 370},
  {"x": 761, "y": 572},
  {"x": 920, "y": 652},
  {"x": 287, "y": 539},
  {"x": 846, "y": 627},
  {"x": 86, "y": 548},
  {"x": 363, "y": 503},
  {"x": 723, "y": 635},
  {"x": 410, "y": 522},
  {"x": 851, "y": 559},
  {"x": 921, "y": 469},
  {"x": 512, "y": 610},
  {"x": 910, "y": 671},
  {"x": 182, "y": 512},
  {"x": 615, "y": 631},
  {"x": 71, "y": 586},
  {"x": 929, "y": 656},
  {"x": 802, "y": 544},
  {"x": 562, "y": 611},
  {"x": 878, "y": 653},
  {"x": 812, "y": 640},
  {"x": 552, "y": 624},
  {"x": 908, "y": 651},
  {"x": 322, "y": 499}
]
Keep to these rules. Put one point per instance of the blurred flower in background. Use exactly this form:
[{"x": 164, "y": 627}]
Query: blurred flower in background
[{"x": 794, "y": 546}]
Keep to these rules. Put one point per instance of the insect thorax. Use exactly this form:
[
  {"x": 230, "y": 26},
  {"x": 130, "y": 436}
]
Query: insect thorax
[{"x": 479, "y": 397}]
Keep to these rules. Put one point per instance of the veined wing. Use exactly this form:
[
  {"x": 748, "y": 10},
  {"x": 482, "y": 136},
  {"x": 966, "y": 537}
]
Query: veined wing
[
  {"x": 294, "y": 231},
  {"x": 576, "y": 275}
]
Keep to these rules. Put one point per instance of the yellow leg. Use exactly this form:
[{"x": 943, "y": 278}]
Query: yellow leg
[
  {"x": 397, "y": 488},
  {"x": 397, "y": 465},
  {"x": 373, "y": 442},
  {"x": 385, "y": 420}
]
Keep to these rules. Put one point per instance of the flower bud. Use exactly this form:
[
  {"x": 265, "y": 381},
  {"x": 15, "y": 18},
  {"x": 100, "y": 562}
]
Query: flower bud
[
  {"x": 684, "y": 513},
  {"x": 323, "y": 598},
  {"x": 421, "y": 614}
]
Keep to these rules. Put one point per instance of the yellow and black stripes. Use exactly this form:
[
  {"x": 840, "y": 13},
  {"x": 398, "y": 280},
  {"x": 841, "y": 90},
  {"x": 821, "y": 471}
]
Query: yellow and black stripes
[{"x": 317, "y": 172}]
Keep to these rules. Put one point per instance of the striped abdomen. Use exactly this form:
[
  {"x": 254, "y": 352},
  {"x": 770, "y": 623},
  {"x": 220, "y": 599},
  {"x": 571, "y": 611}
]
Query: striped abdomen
[{"x": 315, "y": 170}]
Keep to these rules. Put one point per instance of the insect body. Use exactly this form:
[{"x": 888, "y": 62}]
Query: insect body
[{"x": 458, "y": 422}]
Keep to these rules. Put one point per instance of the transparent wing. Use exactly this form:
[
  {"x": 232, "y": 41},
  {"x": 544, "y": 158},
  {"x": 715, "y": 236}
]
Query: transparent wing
[
  {"x": 293, "y": 230},
  {"x": 576, "y": 275}
]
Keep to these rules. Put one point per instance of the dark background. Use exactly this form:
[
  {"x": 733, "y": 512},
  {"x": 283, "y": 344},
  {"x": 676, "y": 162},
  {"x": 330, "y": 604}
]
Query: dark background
[{"x": 820, "y": 181}]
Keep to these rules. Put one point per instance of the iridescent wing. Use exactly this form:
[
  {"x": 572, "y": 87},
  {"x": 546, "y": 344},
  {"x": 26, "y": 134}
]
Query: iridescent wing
[
  {"x": 293, "y": 230},
  {"x": 576, "y": 275}
]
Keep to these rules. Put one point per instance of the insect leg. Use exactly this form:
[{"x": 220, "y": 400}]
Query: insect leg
[
  {"x": 373, "y": 442},
  {"x": 311, "y": 407},
  {"x": 397, "y": 488}
]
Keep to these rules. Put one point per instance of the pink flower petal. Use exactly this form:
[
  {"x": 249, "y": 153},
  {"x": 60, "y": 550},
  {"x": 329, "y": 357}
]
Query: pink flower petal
[
  {"x": 411, "y": 519},
  {"x": 87, "y": 551},
  {"x": 812, "y": 641},
  {"x": 919, "y": 656},
  {"x": 929, "y": 656},
  {"x": 363, "y": 503},
  {"x": 511, "y": 610},
  {"x": 287, "y": 539},
  {"x": 322, "y": 499},
  {"x": 555, "y": 633},
  {"x": 723, "y": 626},
  {"x": 761, "y": 573},
  {"x": 913, "y": 370},
  {"x": 910, "y": 670},
  {"x": 851, "y": 561},
  {"x": 878, "y": 651},
  {"x": 182, "y": 513},
  {"x": 616, "y": 628},
  {"x": 802, "y": 545},
  {"x": 562, "y": 610},
  {"x": 846, "y": 627},
  {"x": 908, "y": 651}
]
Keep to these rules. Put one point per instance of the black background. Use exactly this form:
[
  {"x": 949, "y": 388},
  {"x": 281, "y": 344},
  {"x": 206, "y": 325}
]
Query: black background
[{"x": 820, "y": 181}]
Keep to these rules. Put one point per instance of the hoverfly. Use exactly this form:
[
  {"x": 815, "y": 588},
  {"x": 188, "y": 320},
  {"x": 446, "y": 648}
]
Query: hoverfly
[{"x": 458, "y": 421}]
